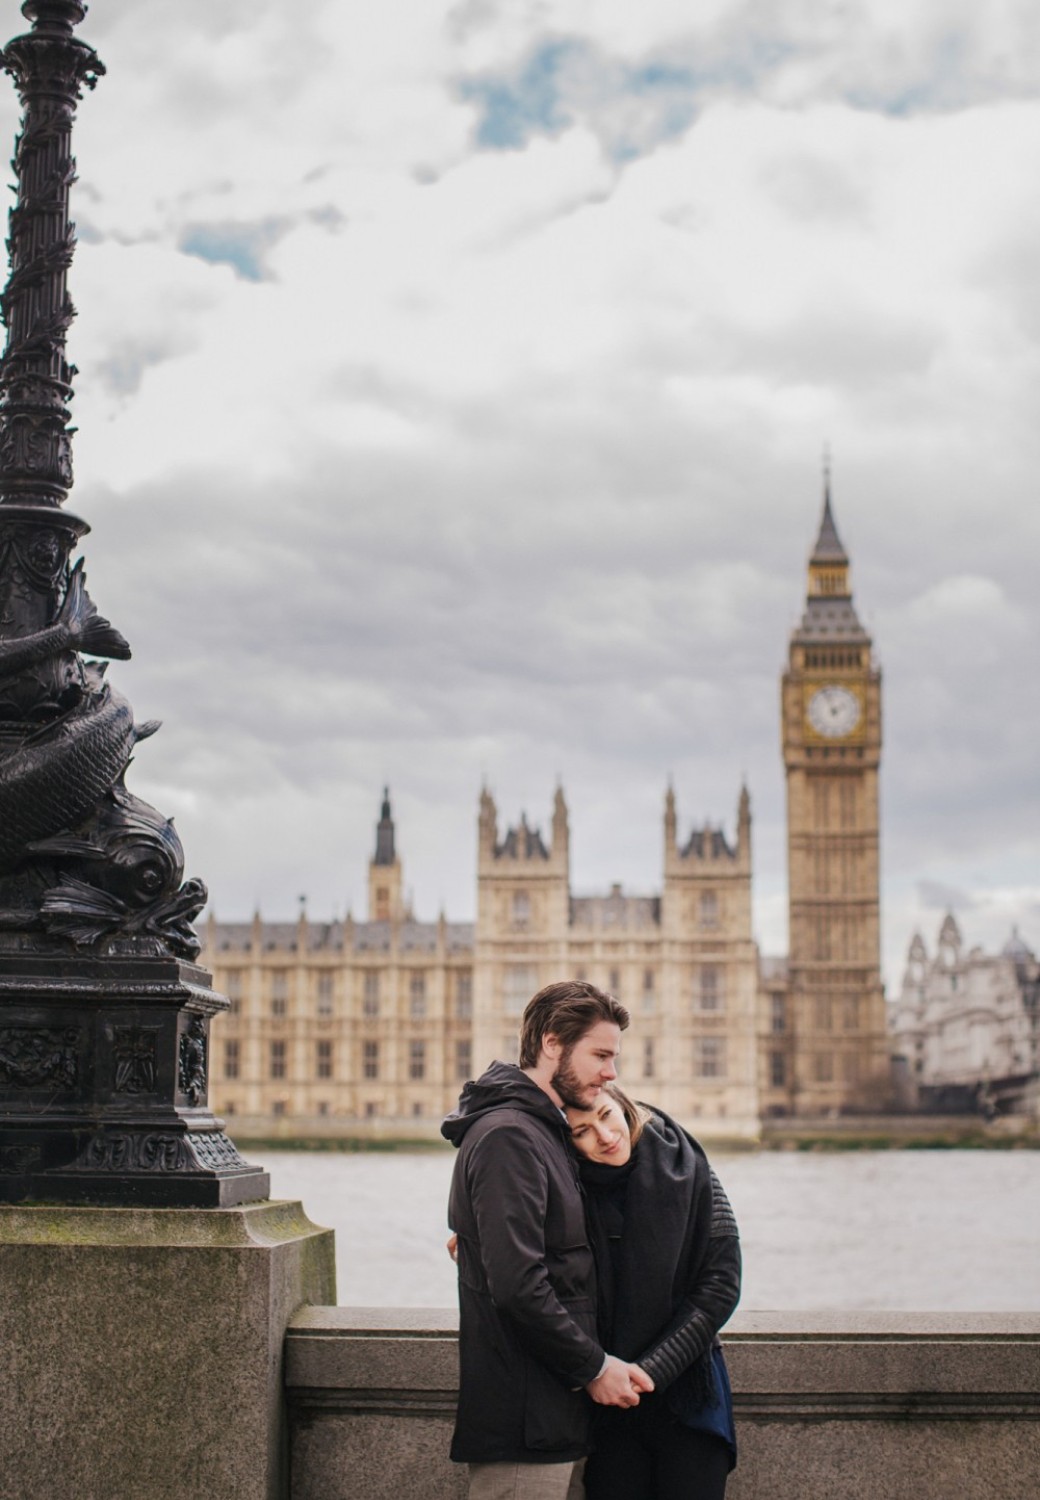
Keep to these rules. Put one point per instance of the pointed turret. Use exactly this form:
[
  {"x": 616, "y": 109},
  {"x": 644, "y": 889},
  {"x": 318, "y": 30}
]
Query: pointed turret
[
  {"x": 829, "y": 612},
  {"x": 384, "y": 870},
  {"x": 828, "y": 547},
  {"x": 385, "y": 833},
  {"x": 487, "y": 822},
  {"x": 950, "y": 942},
  {"x": 560, "y": 823},
  {"x": 744, "y": 824},
  {"x": 828, "y": 562},
  {"x": 916, "y": 963}
]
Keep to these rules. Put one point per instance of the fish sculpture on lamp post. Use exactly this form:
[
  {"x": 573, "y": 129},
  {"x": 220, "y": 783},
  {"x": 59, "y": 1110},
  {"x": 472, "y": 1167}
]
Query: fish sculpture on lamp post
[{"x": 104, "y": 1014}]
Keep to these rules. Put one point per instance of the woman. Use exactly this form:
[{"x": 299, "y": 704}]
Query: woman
[{"x": 668, "y": 1263}]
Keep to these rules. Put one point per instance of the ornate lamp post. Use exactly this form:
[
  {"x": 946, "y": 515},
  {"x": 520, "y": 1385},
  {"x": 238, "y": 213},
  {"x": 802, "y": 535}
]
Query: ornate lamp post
[{"x": 104, "y": 1016}]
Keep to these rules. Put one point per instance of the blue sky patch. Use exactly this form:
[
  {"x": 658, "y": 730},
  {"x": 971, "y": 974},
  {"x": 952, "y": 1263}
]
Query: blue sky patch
[
  {"x": 240, "y": 246},
  {"x": 514, "y": 108},
  {"x": 631, "y": 108}
]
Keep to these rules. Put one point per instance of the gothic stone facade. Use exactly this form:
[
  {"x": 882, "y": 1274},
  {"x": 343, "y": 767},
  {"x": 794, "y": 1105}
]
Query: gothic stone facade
[
  {"x": 377, "y": 1023},
  {"x": 350, "y": 1027},
  {"x": 966, "y": 1026}
]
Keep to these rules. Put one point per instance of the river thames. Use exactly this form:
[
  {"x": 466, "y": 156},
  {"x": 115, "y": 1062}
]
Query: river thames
[{"x": 893, "y": 1230}]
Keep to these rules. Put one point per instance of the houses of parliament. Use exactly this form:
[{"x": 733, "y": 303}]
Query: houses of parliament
[{"x": 355, "y": 1027}]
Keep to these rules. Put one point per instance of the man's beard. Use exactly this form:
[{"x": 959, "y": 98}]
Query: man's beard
[{"x": 572, "y": 1091}]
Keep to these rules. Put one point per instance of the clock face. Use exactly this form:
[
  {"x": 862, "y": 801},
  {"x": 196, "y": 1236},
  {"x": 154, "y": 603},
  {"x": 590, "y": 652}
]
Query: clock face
[{"x": 834, "y": 712}]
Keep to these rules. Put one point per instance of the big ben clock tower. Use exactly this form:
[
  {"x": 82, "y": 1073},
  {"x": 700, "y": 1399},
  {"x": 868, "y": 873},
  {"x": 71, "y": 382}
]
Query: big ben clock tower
[{"x": 836, "y": 1049}]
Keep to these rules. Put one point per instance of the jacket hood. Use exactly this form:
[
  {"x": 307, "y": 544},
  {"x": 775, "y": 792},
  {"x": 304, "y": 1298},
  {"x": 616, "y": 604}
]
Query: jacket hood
[
  {"x": 675, "y": 1143},
  {"x": 503, "y": 1086}
]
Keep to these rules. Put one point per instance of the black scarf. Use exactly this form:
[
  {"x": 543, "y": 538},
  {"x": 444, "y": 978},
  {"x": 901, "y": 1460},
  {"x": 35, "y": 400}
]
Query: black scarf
[{"x": 664, "y": 1200}]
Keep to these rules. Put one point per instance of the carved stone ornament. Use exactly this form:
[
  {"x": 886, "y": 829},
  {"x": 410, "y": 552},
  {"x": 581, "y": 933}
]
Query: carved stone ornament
[
  {"x": 125, "y": 1151},
  {"x": 215, "y": 1150},
  {"x": 136, "y": 1054},
  {"x": 156, "y": 1151},
  {"x": 18, "y": 1160},
  {"x": 39, "y": 1057},
  {"x": 191, "y": 1077}
]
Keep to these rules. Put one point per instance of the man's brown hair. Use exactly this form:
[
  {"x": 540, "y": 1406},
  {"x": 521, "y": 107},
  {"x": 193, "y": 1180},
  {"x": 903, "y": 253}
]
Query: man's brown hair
[{"x": 567, "y": 1009}]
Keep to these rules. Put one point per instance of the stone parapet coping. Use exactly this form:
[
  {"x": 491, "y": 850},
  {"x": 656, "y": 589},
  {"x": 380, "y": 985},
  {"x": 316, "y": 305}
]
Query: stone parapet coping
[
  {"x": 831, "y": 1324},
  {"x": 263, "y": 1224},
  {"x": 776, "y": 1360}
]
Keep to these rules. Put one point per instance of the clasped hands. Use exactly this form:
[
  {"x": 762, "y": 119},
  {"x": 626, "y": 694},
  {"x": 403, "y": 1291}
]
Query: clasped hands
[{"x": 620, "y": 1384}]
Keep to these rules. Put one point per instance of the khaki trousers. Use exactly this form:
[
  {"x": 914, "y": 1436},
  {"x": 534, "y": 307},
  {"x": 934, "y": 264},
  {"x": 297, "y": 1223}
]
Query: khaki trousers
[{"x": 527, "y": 1481}]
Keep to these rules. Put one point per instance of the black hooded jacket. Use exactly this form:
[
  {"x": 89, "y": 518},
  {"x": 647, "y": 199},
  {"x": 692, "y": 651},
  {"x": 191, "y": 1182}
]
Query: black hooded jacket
[{"x": 527, "y": 1280}]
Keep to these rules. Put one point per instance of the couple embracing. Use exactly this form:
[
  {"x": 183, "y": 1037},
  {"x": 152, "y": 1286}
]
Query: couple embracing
[{"x": 597, "y": 1257}]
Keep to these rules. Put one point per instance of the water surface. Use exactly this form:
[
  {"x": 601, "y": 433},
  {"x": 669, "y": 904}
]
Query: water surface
[{"x": 894, "y": 1230}]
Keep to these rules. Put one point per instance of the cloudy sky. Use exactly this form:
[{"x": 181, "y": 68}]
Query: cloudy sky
[{"x": 454, "y": 384}]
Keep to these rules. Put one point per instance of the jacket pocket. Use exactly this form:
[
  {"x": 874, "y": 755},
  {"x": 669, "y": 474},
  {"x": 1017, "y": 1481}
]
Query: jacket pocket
[{"x": 556, "y": 1418}]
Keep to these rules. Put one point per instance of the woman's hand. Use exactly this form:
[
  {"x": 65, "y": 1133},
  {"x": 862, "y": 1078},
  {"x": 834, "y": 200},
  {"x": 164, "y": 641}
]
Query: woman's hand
[
  {"x": 619, "y": 1383},
  {"x": 452, "y": 1247}
]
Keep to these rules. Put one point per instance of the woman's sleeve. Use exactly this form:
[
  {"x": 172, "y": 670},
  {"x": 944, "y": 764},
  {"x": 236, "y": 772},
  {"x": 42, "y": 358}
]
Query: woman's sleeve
[{"x": 707, "y": 1305}]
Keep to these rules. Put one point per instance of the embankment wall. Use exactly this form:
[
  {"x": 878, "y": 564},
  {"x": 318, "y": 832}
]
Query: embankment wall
[{"x": 835, "y": 1406}]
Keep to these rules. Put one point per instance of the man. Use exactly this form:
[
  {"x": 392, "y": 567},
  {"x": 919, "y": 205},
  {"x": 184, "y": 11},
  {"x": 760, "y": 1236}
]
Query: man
[{"x": 527, "y": 1283}]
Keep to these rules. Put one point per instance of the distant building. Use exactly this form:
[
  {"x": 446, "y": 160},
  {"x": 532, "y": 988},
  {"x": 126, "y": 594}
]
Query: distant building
[
  {"x": 381, "y": 1021},
  {"x": 966, "y": 1027},
  {"x": 384, "y": 1019}
]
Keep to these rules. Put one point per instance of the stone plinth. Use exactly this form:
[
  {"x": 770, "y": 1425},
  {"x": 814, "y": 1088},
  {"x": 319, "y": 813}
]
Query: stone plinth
[
  {"x": 141, "y": 1349},
  {"x": 829, "y": 1406}
]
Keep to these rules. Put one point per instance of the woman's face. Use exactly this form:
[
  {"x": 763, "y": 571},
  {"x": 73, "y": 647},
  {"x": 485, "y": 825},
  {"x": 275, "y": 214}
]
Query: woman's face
[{"x": 601, "y": 1133}]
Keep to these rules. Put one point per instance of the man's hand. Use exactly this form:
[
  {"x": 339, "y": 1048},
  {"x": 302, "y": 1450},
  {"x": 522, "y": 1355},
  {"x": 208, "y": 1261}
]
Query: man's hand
[{"x": 620, "y": 1384}]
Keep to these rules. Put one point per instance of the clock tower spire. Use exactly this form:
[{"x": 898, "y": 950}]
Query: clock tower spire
[{"x": 831, "y": 731}]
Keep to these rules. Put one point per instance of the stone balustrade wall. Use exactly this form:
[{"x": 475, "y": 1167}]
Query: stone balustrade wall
[{"x": 839, "y": 1406}]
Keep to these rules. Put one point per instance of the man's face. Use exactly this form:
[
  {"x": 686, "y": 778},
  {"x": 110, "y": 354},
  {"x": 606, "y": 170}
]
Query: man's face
[{"x": 583, "y": 1068}]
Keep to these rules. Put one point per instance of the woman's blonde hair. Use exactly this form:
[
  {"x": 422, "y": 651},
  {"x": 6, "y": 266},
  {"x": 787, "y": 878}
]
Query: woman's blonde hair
[{"x": 636, "y": 1115}]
